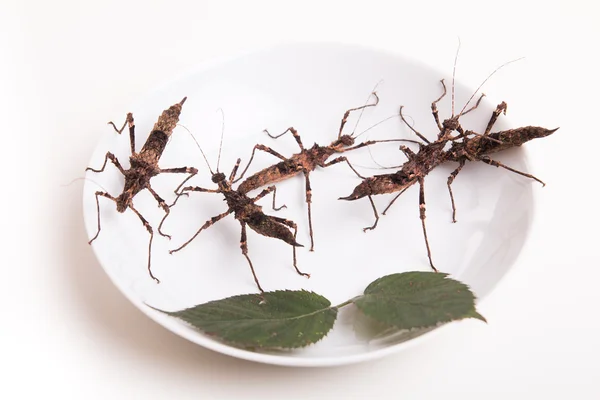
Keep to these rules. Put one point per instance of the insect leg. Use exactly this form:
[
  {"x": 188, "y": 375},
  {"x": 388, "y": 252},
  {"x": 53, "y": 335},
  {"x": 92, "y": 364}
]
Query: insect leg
[
  {"x": 370, "y": 142},
  {"x": 475, "y": 106},
  {"x": 187, "y": 188},
  {"x": 180, "y": 170},
  {"x": 109, "y": 156},
  {"x": 206, "y": 225},
  {"x": 495, "y": 163},
  {"x": 394, "y": 199},
  {"x": 501, "y": 108},
  {"x": 347, "y": 113},
  {"x": 434, "y": 109},
  {"x": 292, "y": 225},
  {"x": 128, "y": 120},
  {"x": 108, "y": 196},
  {"x": 164, "y": 206},
  {"x": 294, "y": 133},
  {"x": 197, "y": 189},
  {"x": 190, "y": 189},
  {"x": 340, "y": 159},
  {"x": 459, "y": 128},
  {"x": 244, "y": 247},
  {"x": 368, "y": 228},
  {"x": 308, "y": 202},
  {"x": 422, "y": 216},
  {"x": 192, "y": 171},
  {"x": 263, "y": 148},
  {"x": 234, "y": 170},
  {"x": 149, "y": 229},
  {"x": 266, "y": 192},
  {"x": 450, "y": 180},
  {"x": 423, "y": 138}
]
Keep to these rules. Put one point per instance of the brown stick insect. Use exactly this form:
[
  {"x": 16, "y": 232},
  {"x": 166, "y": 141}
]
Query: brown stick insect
[
  {"x": 432, "y": 154},
  {"x": 478, "y": 147},
  {"x": 143, "y": 166},
  {"x": 246, "y": 212},
  {"x": 306, "y": 161}
]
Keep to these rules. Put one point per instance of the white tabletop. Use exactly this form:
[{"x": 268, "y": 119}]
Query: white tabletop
[{"x": 67, "y": 330}]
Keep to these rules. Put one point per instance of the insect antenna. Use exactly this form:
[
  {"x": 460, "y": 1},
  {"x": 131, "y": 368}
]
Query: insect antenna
[
  {"x": 200, "y": 148},
  {"x": 482, "y": 83},
  {"x": 83, "y": 178},
  {"x": 384, "y": 140},
  {"x": 378, "y": 123},
  {"x": 454, "y": 75},
  {"x": 222, "y": 132},
  {"x": 374, "y": 91}
]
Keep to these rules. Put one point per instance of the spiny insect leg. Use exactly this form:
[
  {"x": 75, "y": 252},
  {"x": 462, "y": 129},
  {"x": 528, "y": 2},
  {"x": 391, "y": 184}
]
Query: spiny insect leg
[
  {"x": 206, "y": 225},
  {"x": 434, "y": 109},
  {"x": 340, "y": 159},
  {"x": 347, "y": 113},
  {"x": 423, "y": 138},
  {"x": 370, "y": 142},
  {"x": 393, "y": 200},
  {"x": 187, "y": 188},
  {"x": 501, "y": 108},
  {"x": 368, "y": 228},
  {"x": 128, "y": 119},
  {"x": 234, "y": 170},
  {"x": 292, "y": 225},
  {"x": 192, "y": 171},
  {"x": 191, "y": 189},
  {"x": 262, "y": 148},
  {"x": 149, "y": 229},
  {"x": 495, "y": 163},
  {"x": 164, "y": 206},
  {"x": 422, "y": 216},
  {"x": 266, "y": 192},
  {"x": 459, "y": 128},
  {"x": 475, "y": 106},
  {"x": 109, "y": 156},
  {"x": 294, "y": 133},
  {"x": 450, "y": 180},
  {"x": 244, "y": 247},
  {"x": 180, "y": 170},
  {"x": 108, "y": 196},
  {"x": 308, "y": 203}
]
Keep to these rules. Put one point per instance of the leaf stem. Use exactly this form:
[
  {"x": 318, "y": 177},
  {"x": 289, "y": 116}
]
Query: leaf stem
[{"x": 348, "y": 302}]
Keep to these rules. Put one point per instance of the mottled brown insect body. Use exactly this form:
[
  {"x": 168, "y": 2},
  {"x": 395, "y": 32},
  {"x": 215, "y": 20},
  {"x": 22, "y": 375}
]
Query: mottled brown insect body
[
  {"x": 248, "y": 213},
  {"x": 382, "y": 184},
  {"x": 472, "y": 147},
  {"x": 478, "y": 147},
  {"x": 503, "y": 140},
  {"x": 306, "y": 161},
  {"x": 143, "y": 166}
]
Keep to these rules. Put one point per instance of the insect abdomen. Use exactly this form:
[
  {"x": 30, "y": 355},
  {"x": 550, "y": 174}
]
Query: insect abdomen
[
  {"x": 154, "y": 146},
  {"x": 267, "y": 226},
  {"x": 267, "y": 176}
]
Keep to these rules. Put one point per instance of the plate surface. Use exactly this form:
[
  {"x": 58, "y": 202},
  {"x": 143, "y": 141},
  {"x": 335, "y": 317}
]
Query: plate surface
[{"x": 309, "y": 87}]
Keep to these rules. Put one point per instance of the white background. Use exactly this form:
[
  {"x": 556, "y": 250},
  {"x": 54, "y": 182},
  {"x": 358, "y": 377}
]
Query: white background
[{"x": 67, "y": 67}]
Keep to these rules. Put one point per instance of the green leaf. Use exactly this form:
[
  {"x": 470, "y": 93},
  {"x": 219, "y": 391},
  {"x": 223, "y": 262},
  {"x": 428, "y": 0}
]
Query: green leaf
[
  {"x": 417, "y": 300},
  {"x": 280, "y": 319}
]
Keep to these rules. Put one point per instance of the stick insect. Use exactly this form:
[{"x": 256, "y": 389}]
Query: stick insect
[
  {"x": 432, "y": 154},
  {"x": 306, "y": 161},
  {"x": 246, "y": 212},
  {"x": 143, "y": 166},
  {"x": 476, "y": 147}
]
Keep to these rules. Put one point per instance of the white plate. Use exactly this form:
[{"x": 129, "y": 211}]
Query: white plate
[{"x": 308, "y": 87}]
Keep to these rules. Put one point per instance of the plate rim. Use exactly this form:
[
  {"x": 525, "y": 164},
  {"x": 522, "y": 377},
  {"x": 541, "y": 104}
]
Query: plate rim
[{"x": 198, "y": 337}]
